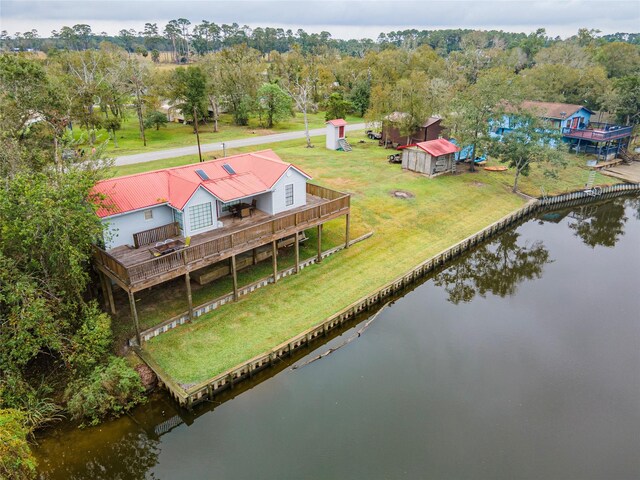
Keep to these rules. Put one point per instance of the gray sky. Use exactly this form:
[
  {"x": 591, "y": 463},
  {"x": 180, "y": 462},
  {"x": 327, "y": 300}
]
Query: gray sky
[{"x": 342, "y": 18}]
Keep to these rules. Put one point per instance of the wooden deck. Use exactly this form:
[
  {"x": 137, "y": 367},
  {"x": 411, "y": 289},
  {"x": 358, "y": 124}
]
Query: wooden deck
[
  {"x": 597, "y": 135},
  {"x": 137, "y": 268}
]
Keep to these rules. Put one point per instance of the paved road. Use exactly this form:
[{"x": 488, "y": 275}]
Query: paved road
[{"x": 214, "y": 147}]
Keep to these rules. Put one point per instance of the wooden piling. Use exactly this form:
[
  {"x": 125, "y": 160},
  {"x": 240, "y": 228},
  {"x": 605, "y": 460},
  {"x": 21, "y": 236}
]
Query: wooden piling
[
  {"x": 319, "y": 243},
  {"x": 187, "y": 281},
  {"x": 297, "y": 252},
  {"x": 274, "y": 260},
  {"x": 134, "y": 315},
  {"x": 346, "y": 233},
  {"x": 234, "y": 275}
]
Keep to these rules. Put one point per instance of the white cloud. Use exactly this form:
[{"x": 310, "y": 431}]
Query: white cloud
[{"x": 344, "y": 19}]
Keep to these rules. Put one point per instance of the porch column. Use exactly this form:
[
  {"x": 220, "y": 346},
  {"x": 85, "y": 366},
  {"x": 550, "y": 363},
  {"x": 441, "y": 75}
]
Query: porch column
[
  {"x": 134, "y": 315},
  {"x": 297, "y": 251},
  {"x": 319, "y": 243},
  {"x": 347, "y": 224},
  {"x": 255, "y": 256},
  {"x": 274, "y": 259},
  {"x": 234, "y": 275},
  {"x": 187, "y": 281}
]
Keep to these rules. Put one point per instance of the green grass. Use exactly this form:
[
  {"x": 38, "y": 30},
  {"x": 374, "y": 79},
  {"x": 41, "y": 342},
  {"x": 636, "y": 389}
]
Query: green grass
[
  {"x": 443, "y": 211},
  {"x": 175, "y": 135}
]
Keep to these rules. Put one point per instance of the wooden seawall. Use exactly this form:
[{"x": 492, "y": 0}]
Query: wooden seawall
[{"x": 187, "y": 397}]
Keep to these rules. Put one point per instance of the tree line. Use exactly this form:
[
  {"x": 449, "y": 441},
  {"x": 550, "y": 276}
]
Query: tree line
[{"x": 182, "y": 39}]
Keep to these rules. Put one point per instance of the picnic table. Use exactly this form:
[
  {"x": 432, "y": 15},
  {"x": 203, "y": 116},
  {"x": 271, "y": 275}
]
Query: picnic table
[{"x": 167, "y": 246}]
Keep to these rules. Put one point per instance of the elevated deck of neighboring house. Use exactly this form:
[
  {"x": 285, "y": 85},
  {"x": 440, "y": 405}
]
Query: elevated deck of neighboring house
[{"x": 598, "y": 132}]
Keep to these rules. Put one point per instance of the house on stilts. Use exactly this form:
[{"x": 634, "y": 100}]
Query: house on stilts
[
  {"x": 175, "y": 222},
  {"x": 583, "y": 135}
]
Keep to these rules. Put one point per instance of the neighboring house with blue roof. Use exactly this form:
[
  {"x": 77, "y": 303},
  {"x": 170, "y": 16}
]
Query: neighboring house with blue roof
[{"x": 574, "y": 122}]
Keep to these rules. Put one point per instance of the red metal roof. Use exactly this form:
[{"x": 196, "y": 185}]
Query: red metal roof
[
  {"x": 438, "y": 147},
  {"x": 254, "y": 173},
  {"x": 338, "y": 122}
]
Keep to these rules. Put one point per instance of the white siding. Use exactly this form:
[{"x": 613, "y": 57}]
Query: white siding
[
  {"x": 201, "y": 196},
  {"x": 299, "y": 182},
  {"x": 120, "y": 229},
  {"x": 332, "y": 137},
  {"x": 265, "y": 202}
]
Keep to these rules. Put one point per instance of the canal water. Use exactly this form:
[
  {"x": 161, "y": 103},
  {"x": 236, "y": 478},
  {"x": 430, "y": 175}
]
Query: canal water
[{"x": 519, "y": 361}]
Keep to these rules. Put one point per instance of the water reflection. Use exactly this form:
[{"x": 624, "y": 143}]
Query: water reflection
[
  {"x": 128, "y": 457},
  {"x": 599, "y": 225},
  {"x": 495, "y": 268}
]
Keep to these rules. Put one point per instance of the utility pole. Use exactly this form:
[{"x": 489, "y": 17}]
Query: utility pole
[{"x": 195, "y": 119}]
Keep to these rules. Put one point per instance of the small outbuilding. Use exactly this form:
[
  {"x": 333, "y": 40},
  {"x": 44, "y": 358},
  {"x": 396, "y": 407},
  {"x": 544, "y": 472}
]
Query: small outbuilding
[
  {"x": 431, "y": 129},
  {"x": 336, "y": 135},
  {"x": 431, "y": 158}
]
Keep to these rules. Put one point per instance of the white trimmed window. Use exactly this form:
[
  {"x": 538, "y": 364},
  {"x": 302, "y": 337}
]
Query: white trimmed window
[
  {"x": 200, "y": 216},
  {"x": 288, "y": 194},
  {"x": 148, "y": 214}
]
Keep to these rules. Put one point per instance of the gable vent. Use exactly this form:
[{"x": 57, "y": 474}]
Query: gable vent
[
  {"x": 228, "y": 169},
  {"x": 202, "y": 174}
]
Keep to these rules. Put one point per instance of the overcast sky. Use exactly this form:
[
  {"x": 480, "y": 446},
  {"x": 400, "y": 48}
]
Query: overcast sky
[{"x": 342, "y": 18}]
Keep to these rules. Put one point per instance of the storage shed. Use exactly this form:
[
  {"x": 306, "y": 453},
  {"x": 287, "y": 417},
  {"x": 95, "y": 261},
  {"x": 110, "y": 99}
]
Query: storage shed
[
  {"x": 431, "y": 158},
  {"x": 336, "y": 135},
  {"x": 431, "y": 129}
]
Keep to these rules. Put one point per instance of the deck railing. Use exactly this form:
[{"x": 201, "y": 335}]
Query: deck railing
[
  {"x": 102, "y": 258},
  {"x": 153, "y": 235},
  {"x": 608, "y": 132},
  {"x": 201, "y": 252}
]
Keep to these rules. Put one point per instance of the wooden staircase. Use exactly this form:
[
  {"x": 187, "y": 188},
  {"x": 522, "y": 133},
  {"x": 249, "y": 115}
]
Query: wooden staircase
[
  {"x": 344, "y": 145},
  {"x": 628, "y": 156}
]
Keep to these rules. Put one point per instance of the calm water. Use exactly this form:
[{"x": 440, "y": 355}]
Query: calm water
[{"x": 520, "y": 361}]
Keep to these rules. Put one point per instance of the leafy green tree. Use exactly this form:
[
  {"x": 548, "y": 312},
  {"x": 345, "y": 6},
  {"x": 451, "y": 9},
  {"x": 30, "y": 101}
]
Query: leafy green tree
[
  {"x": 213, "y": 73},
  {"x": 620, "y": 59},
  {"x": 533, "y": 43},
  {"x": 155, "y": 119},
  {"x": 112, "y": 125},
  {"x": 412, "y": 99},
  {"x": 155, "y": 55},
  {"x": 360, "y": 96},
  {"x": 32, "y": 114},
  {"x": 337, "y": 107},
  {"x": 16, "y": 459},
  {"x": 299, "y": 76},
  {"x": 528, "y": 143},
  {"x": 189, "y": 92},
  {"x": 561, "y": 83},
  {"x": 475, "y": 106},
  {"x": 239, "y": 77},
  {"x": 110, "y": 390},
  {"x": 626, "y": 99},
  {"x": 273, "y": 104}
]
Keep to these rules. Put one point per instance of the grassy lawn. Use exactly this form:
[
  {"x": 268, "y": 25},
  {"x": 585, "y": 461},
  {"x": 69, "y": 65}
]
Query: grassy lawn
[
  {"x": 407, "y": 231},
  {"x": 175, "y": 135}
]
